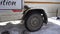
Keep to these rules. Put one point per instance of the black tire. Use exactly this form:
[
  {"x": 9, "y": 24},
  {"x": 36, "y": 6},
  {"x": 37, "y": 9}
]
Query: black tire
[{"x": 33, "y": 22}]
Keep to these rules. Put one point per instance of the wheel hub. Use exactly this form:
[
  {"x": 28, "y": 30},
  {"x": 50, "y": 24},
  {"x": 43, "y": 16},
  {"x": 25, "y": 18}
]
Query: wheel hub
[{"x": 34, "y": 22}]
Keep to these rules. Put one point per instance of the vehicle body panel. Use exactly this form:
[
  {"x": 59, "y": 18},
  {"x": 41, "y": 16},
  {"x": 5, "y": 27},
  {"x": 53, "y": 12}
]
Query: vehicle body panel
[
  {"x": 49, "y": 6},
  {"x": 9, "y": 15},
  {"x": 9, "y": 12}
]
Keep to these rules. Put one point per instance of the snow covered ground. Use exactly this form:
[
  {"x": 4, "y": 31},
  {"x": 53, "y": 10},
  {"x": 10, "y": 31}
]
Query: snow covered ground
[{"x": 53, "y": 27}]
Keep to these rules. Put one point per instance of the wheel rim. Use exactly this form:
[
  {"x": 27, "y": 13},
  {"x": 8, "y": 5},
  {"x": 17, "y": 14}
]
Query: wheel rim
[{"x": 34, "y": 22}]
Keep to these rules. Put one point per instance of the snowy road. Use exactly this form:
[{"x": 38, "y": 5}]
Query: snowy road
[{"x": 52, "y": 27}]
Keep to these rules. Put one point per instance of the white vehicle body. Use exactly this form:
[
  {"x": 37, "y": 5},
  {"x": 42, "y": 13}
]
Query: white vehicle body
[
  {"x": 49, "y": 6},
  {"x": 10, "y": 10}
]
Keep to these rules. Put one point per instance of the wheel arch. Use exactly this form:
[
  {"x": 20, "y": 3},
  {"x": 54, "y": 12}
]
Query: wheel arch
[
  {"x": 41, "y": 11},
  {"x": 33, "y": 10}
]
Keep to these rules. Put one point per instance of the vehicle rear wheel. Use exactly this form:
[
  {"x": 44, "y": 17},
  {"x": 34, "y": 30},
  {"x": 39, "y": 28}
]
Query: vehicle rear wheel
[{"x": 34, "y": 22}]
